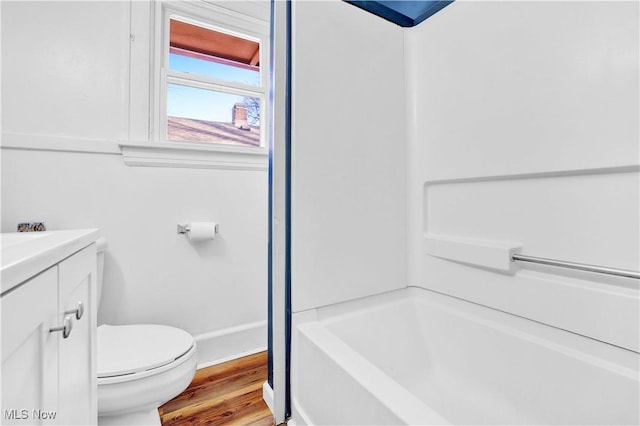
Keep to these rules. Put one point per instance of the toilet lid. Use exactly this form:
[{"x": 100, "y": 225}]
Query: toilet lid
[{"x": 127, "y": 349}]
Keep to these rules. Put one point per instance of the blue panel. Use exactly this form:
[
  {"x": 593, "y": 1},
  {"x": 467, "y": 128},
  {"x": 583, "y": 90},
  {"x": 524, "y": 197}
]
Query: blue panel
[
  {"x": 406, "y": 13},
  {"x": 270, "y": 208},
  {"x": 288, "y": 142}
]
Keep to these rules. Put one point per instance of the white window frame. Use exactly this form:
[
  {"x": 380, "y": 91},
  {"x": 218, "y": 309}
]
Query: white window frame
[{"x": 236, "y": 18}]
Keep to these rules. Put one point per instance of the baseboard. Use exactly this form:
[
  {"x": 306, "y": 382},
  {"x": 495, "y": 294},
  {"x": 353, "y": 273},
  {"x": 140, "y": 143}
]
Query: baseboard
[
  {"x": 231, "y": 343},
  {"x": 267, "y": 396}
]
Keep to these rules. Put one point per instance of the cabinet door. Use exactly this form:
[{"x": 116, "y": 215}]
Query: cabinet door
[
  {"x": 78, "y": 371},
  {"x": 30, "y": 351}
]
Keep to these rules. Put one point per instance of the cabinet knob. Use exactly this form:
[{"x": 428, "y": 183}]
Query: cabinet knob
[
  {"x": 78, "y": 311},
  {"x": 66, "y": 327}
]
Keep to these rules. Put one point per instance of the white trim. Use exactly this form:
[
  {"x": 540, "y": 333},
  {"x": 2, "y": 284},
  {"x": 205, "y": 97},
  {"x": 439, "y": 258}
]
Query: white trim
[
  {"x": 257, "y": 9},
  {"x": 141, "y": 81},
  {"x": 267, "y": 395},
  {"x": 193, "y": 155},
  {"x": 211, "y": 83},
  {"x": 231, "y": 343},
  {"x": 232, "y": 357},
  {"x": 35, "y": 142},
  {"x": 165, "y": 154},
  {"x": 195, "y": 17},
  {"x": 278, "y": 215},
  {"x": 225, "y": 16}
]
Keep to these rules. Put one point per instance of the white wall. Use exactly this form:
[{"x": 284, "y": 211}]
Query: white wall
[
  {"x": 63, "y": 59},
  {"x": 348, "y": 201},
  {"x": 65, "y": 82},
  {"x": 525, "y": 133}
]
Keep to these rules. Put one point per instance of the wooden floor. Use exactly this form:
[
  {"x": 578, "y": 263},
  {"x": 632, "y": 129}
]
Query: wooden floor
[{"x": 224, "y": 394}]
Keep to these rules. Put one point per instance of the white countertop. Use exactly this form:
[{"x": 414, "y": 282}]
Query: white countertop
[{"x": 25, "y": 254}]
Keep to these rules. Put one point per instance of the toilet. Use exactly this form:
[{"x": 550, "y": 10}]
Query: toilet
[{"x": 140, "y": 366}]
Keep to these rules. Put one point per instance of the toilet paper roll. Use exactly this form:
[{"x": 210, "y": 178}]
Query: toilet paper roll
[{"x": 202, "y": 231}]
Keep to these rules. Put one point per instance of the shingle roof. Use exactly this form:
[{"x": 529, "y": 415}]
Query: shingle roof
[{"x": 187, "y": 129}]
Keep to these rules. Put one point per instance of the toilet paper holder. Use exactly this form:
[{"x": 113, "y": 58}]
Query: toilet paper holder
[{"x": 184, "y": 229}]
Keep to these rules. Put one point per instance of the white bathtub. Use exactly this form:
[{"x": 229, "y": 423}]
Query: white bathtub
[{"x": 419, "y": 357}]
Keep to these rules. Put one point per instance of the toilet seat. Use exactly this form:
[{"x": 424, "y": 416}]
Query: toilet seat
[{"x": 127, "y": 351}]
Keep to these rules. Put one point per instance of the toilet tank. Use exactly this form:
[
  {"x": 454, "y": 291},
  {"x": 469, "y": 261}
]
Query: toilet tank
[{"x": 101, "y": 245}]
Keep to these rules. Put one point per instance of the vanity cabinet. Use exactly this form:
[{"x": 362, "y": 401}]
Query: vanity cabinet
[
  {"x": 49, "y": 374},
  {"x": 30, "y": 351},
  {"x": 77, "y": 404}
]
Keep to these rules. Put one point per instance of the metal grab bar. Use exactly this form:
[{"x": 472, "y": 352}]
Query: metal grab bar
[{"x": 578, "y": 266}]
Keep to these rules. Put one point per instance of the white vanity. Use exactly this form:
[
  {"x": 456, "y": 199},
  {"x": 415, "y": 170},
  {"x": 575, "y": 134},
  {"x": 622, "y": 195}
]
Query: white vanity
[{"x": 48, "y": 305}]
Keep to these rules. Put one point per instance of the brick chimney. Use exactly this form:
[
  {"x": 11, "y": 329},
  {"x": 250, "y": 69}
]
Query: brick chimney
[{"x": 239, "y": 118}]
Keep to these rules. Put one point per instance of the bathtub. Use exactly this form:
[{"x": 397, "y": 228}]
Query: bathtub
[{"x": 420, "y": 357}]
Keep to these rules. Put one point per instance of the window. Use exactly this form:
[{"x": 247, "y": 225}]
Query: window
[
  {"x": 212, "y": 82},
  {"x": 198, "y": 84}
]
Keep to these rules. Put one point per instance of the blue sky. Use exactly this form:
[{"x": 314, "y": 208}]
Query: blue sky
[{"x": 203, "y": 104}]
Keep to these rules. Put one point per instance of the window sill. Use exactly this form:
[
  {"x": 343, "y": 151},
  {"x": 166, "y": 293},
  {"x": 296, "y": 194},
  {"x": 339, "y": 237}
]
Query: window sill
[{"x": 193, "y": 155}]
